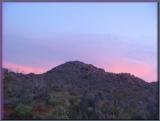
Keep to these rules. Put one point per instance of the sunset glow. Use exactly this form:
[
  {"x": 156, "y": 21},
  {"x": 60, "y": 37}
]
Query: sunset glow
[
  {"x": 119, "y": 37},
  {"x": 23, "y": 68}
]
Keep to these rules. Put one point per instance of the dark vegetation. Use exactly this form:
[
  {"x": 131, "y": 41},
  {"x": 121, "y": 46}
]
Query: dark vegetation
[{"x": 76, "y": 90}]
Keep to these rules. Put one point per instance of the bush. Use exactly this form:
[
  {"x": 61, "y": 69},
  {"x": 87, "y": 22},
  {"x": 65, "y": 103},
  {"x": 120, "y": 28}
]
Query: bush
[
  {"x": 73, "y": 93},
  {"x": 23, "y": 110},
  {"x": 115, "y": 111},
  {"x": 55, "y": 102},
  {"x": 8, "y": 77},
  {"x": 90, "y": 113},
  {"x": 59, "y": 113},
  {"x": 90, "y": 102},
  {"x": 9, "y": 92}
]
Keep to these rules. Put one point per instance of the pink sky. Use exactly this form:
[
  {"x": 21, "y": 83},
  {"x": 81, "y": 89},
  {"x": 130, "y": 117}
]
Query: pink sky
[
  {"x": 24, "y": 68},
  {"x": 142, "y": 70},
  {"x": 40, "y": 36}
]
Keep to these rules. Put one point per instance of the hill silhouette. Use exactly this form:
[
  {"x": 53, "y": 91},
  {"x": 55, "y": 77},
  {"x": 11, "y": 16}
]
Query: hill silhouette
[{"x": 75, "y": 90}]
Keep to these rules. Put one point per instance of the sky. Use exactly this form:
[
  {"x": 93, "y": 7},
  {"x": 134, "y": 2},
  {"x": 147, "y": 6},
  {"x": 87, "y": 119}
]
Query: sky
[{"x": 118, "y": 37}]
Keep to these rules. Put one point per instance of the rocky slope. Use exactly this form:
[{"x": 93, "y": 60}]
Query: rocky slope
[{"x": 81, "y": 91}]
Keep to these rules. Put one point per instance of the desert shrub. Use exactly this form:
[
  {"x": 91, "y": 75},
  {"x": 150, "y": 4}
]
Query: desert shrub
[
  {"x": 90, "y": 102},
  {"x": 23, "y": 110},
  {"x": 60, "y": 109},
  {"x": 90, "y": 113},
  {"x": 86, "y": 76},
  {"x": 59, "y": 113},
  {"x": 74, "y": 107},
  {"x": 73, "y": 93},
  {"x": 40, "y": 92},
  {"x": 57, "y": 88},
  {"x": 9, "y": 92},
  {"x": 74, "y": 100},
  {"x": 8, "y": 77},
  {"x": 106, "y": 108},
  {"x": 67, "y": 103},
  {"x": 114, "y": 111},
  {"x": 134, "y": 113},
  {"x": 54, "y": 102}
]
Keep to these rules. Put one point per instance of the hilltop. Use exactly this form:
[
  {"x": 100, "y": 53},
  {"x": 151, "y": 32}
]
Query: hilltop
[{"x": 76, "y": 90}]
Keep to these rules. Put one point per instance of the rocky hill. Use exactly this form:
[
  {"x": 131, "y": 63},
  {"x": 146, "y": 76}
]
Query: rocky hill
[{"x": 75, "y": 90}]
